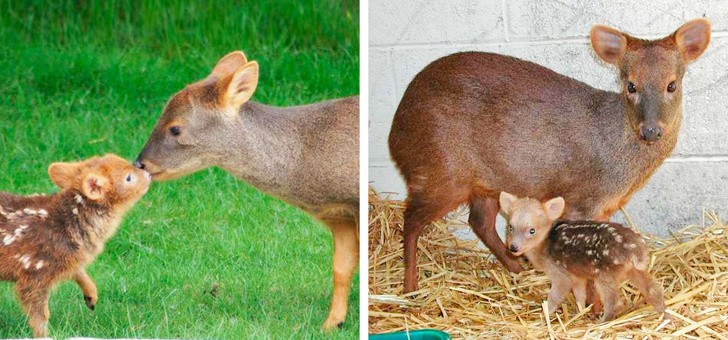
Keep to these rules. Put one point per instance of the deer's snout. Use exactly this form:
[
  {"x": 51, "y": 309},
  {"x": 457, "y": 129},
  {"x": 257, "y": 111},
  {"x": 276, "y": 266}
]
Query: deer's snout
[
  {"x": 138, "y": 163},
  {"x": 650, "y": 134},
  {"x": 513, "y": 248}
]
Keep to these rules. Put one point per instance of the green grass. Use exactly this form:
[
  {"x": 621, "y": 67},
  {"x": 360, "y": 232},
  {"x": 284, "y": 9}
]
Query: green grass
[{"x": 84, "y": 78}]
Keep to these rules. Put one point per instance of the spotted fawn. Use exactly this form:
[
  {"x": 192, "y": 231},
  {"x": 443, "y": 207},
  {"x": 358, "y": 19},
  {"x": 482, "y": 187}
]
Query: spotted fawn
[
  {"x": 573, "y": 252},
  {"x": 45, "y": 239}
]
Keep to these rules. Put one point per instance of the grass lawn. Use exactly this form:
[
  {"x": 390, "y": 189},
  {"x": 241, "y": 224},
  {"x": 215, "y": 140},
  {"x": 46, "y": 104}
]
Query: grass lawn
[{"x": 205, "y": 256}]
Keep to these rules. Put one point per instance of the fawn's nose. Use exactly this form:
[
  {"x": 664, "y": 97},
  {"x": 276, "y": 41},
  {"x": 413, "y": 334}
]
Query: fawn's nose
[
  {"x": 139, "y": 164},
  {"x": 651, "y": 133},
  {"x": 513, "y": 248}
]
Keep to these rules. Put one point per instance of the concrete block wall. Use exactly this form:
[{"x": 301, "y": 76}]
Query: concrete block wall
[{"x": 406, "y": 35}]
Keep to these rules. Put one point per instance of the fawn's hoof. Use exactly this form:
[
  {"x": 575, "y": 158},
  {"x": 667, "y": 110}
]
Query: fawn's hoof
[{"x": 90, "y": 302}]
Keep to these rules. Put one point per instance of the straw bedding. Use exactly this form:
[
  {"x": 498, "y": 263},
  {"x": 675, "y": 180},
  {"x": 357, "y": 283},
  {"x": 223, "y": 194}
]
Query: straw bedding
[{"x": 465, "y": 293}]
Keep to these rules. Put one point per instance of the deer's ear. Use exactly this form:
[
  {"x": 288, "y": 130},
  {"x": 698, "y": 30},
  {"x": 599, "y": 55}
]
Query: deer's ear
[
  {"x": 554, "y": 208},
  {"x": 95, "y": 186},
  {"x": 693, "y": 38},
  {"x": 506, "y": 201},
  {"x": 228, "y": 64},
  {"x": 608, "y": 43},
  {"x": 64, "y": 175},
  {"x": 238, "y": 89}
]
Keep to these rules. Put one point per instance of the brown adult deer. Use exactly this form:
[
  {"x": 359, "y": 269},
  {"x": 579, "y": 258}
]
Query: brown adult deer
[
  {"x": 471, "y": 125},
  {"x": 305, "y": 155}
]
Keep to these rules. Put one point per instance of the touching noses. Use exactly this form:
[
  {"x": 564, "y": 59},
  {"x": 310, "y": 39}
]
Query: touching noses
[
  {"x": 650, "y": 134},
  {"x": 138, "y": 163}
]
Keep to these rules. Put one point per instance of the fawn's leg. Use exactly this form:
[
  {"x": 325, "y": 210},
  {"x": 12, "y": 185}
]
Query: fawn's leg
[
  {"x": 346, "y": 258},
  {"x": 561, "y": 285},
  {"x": 580, "y": 292},
  {"x": 651, "y": 291},
  {"x": 608, "y": 290},
  {"x": 34, "y": 300},
  {"x": 483, "y": 212},
  {"x": 90, "y": 293}
]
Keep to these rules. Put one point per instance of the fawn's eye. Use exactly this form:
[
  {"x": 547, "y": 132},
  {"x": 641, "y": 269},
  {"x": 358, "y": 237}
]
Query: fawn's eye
[
  {"x": 128, "y": 178},
  {"x": 175, "y": 130},
  {"x": 671, "y": 87},
  {"x": 631, "y": 88},
  {"x": 532, "y": 231}
]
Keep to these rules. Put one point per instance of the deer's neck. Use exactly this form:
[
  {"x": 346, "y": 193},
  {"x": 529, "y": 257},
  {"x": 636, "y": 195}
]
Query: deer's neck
[
  {"x": 634, "y": 158},
  {"x": 263, "y": 146}
]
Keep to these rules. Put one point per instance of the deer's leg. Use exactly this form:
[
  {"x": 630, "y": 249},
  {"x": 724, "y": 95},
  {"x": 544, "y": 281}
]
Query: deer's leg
[
  {"x": 483, "y": 212},
  {"x": 88, "y": 287},
  {"x": 608, "y": 290},
  {"x": 561, "y": 285},
  {"x": 421, "y": 211},
  {"x": 580, "y": 292},
  {"x": 651, "y": 291},
  {"x": 34, "y": 300},
  {"x": 346, "y": 258}
]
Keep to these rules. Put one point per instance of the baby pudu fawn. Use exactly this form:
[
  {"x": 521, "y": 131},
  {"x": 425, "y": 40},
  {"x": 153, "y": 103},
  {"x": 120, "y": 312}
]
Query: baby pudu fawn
[
  {"x": 573, "y": 252},
  {"x": 48, "y": 239}
]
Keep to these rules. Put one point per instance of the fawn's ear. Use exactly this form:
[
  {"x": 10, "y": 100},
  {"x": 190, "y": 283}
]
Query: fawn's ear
[
  {"x": 240, "y": 86},
  {"x": 554, "y": 208},
  {"x": 608, "y": 43},
  {"x": 95, "y": 186},
  {"x": 228, "y": 64},
  {"x": 506, "y": 200},
  {"x": 64, "y": 175},
  {"x": 693, "y": 38}
]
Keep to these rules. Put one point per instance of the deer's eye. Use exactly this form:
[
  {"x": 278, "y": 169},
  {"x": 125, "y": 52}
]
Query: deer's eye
[
  {"x": 671, "y": 87},
  {"x": 532, "y": 231},
  {"x": 631, "y": 88},
  {"x": 175, "y": 130},
  {"x": 128, "y": 178}
]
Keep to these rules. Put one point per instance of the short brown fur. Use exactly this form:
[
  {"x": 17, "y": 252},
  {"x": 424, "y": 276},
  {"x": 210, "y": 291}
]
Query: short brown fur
[
  {"x": 48, "y": 239},
  {"x": 305, "y": 155},
  {"x": 473, "y": 124},
  {"x": 572, "y": 253}
]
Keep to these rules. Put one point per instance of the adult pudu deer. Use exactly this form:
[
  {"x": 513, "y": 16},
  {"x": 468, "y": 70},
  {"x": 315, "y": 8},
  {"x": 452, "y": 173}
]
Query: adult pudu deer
[
  {"x": 471, "y": 125},
  {"x": 306, "y": 155},
  {"x": 573, "y": 252}
]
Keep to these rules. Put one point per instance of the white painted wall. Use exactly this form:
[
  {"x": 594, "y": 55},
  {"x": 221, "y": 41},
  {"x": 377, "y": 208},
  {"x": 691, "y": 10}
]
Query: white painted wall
[{"x": 406, "y": 35}]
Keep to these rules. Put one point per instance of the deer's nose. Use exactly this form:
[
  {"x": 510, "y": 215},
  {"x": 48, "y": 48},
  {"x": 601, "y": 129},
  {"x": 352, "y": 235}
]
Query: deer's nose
[
  {"x": 651, "y": 133},
  {"x": 513, "y": 248},
  {"x": 139, "y": 164}
]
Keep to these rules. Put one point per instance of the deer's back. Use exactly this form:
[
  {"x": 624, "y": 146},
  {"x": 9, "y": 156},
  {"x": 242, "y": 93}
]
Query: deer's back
[{"x": 328, "y": 172}]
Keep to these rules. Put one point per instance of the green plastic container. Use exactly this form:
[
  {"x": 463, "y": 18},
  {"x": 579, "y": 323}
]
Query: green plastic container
[{"x": 423, "y": 334}]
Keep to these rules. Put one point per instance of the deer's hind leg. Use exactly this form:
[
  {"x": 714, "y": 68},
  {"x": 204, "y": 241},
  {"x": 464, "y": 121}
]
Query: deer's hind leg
[{"x": 34, "y": 300}]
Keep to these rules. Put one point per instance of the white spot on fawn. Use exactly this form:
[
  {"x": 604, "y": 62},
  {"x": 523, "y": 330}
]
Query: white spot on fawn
[
  {"x": 10, "y": 238},
  {"x": 39, "y": 265},
  {"x": 589, "y": 252},
  {"x": 43, "y": 213},
  {"x": 618, "y": 238},
  {"x": 631, "y": 246},
  {"x": 605, "y": 252},
  {"x": 75, "y": 211},
  {"x": 25, "y": 260},
  {"x": 616, "y": 261},
  {"x": 79, "y": 199}
]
